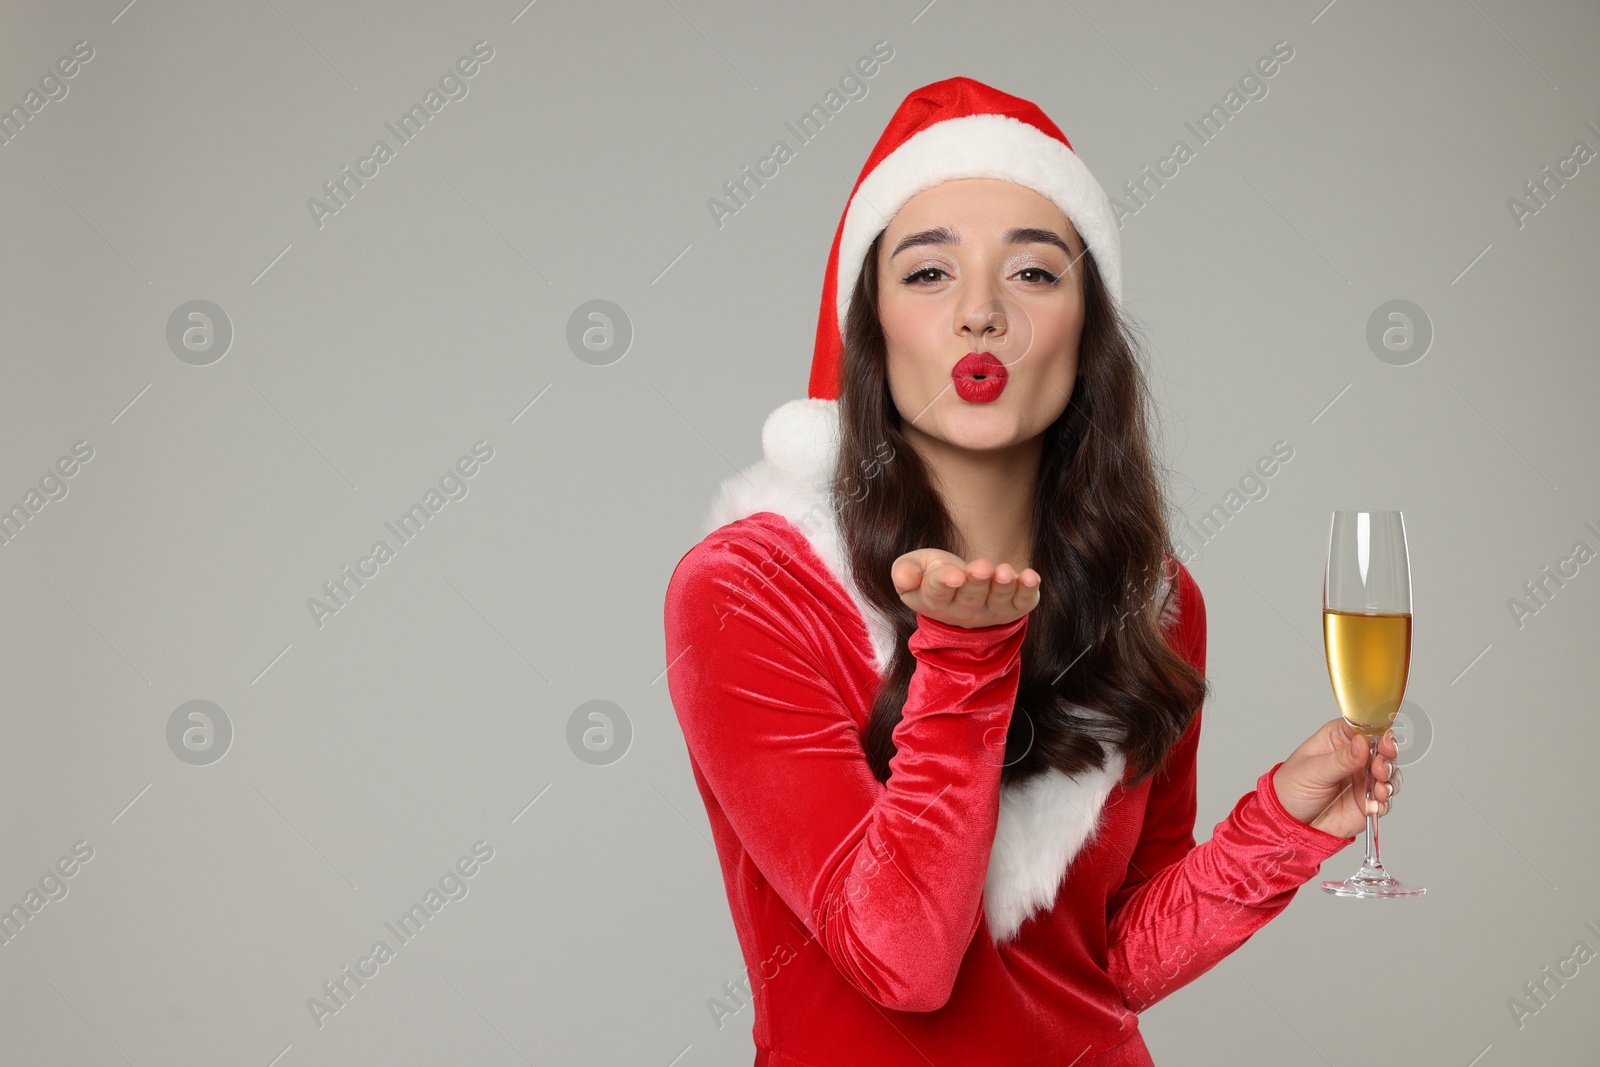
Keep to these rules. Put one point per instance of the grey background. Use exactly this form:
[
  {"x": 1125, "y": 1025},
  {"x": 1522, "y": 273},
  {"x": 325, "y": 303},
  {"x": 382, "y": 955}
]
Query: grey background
[{"x": 431, "y": 312}]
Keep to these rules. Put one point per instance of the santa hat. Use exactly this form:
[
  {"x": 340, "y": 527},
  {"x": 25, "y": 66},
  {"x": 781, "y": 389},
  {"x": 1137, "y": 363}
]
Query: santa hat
[{"x": 956, "y": 128}]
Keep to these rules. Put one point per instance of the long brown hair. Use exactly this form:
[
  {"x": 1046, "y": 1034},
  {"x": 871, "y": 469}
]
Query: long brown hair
[{"x": 1099, "y": 533}]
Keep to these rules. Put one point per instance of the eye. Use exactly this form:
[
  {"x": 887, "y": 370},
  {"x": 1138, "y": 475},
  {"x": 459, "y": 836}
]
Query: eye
[
  {"x": 930, "y": 274},
  {"x": 920, "y": 273}
]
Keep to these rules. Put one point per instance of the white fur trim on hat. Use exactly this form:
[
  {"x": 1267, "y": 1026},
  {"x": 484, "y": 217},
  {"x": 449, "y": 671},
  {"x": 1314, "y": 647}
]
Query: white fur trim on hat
[{"x": 979, "y": 146}]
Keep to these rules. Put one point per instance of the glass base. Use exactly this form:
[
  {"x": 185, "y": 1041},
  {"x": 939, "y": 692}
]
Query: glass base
[{"x": 1373, "y": 882}]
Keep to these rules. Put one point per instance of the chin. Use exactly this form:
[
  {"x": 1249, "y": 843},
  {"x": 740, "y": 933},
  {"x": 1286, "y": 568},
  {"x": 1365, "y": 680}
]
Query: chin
[{"x": 979, "y": 427}]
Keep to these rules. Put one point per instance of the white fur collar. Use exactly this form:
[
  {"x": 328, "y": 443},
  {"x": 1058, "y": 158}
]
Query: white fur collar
[{"x": 1044, "y": 821}]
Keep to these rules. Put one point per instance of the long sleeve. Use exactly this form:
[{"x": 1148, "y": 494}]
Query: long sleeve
[
  {"x": 1186, "y": 919},
  {"x": 888, "y": 878},
  {"x": 1184, "y": 908}
]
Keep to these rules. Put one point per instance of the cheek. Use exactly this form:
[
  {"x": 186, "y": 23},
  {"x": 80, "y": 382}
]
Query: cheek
[
  {"x": 911, "y": 338},
  {"x": 905, "y": 322},
  {"x": 1056, "y": 335},
  {"x": 1054, "y": 353}
]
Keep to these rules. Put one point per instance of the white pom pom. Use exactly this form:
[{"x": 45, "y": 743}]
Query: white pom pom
[{"x": 801, "y": 439}]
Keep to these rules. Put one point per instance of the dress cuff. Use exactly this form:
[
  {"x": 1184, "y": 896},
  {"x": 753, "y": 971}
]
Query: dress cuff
[
  {"x": 1317, "y": 843},
  {"x": 970, "y": 634}
]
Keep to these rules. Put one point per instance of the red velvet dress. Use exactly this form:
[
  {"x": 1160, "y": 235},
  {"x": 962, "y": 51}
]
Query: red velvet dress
[{"x": 891, "y": 924}]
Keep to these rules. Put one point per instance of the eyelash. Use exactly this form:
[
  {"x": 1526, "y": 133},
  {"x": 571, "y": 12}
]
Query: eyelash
[{"x": 908, "y": 279}]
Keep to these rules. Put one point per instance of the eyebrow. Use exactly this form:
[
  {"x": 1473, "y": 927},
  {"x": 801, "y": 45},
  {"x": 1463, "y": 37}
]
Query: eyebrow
[{"x": 943, "y": 235}]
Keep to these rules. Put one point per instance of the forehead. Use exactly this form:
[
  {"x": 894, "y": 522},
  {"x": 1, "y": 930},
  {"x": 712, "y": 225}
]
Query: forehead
[{"x": 979, "y": 209}]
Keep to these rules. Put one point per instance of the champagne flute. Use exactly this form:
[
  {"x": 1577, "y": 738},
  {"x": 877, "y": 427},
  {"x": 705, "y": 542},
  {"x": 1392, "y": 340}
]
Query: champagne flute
[{"x": 1366, "y": 631}]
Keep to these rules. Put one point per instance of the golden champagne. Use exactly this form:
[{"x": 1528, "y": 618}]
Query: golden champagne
[{"x": 1369, "y": 658}]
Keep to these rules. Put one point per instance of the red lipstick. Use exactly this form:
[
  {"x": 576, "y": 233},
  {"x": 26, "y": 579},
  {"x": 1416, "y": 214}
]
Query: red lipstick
[{"x": 979, "y": 377}]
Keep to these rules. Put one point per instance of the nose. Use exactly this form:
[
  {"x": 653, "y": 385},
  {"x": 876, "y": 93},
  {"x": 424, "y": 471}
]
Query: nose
[
  {"x": 988, "y": 320},
  {"x": 983, "y": 317}
]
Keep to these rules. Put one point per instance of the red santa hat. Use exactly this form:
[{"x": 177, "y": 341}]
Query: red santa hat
[{"x": 956, "y": 128}]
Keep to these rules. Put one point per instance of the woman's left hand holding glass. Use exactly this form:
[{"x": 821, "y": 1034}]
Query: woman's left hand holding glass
[{"x": 1323, "y": 783}]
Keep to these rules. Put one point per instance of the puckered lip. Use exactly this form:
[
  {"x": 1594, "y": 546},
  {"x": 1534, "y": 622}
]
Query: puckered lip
[{"x": 974, "y": 364}]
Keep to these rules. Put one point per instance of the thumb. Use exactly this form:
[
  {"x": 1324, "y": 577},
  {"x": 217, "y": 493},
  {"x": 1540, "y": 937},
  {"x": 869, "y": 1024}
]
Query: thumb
[
  {"x": 1359, "y": 750},
  {"x": 1343, "y": 761},
  {"x": 906, "y": 573}
]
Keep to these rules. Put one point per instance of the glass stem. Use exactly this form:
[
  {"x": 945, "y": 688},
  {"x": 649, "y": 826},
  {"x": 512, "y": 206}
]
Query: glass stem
[{"x": 1373, "y": 863}]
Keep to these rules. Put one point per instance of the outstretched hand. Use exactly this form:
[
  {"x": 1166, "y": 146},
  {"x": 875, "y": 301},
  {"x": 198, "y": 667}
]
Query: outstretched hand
[
  {"x": 1323, "y": 783},
  {"x": 944, "y": 587}
]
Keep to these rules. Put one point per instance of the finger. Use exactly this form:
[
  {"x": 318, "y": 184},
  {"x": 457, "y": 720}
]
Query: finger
[
  {"x": 1333, "y": 737},
  {"x": 1360, "y": 748},
  {"x": 941, "y": 581},
  {"x": 1361, "y": 755},
  {"x": 1383, "y": 774},
  {"x": 1382, "y": 769},
  {"x": 1030, "y": 579},
  {"x": 1360, "y": 742},
  {"x": 1381, "y": 795},
  {"x": 1006, "y": 589},
  {"x": 906, "y": 573},
  {"x": 974, "y": 593},
  {"x": 1358, "y": 791},
  {"x": 1003, "y": 587},
  {"x": 1345, "y": 761},
  {"x": 1026, "y": 597}
]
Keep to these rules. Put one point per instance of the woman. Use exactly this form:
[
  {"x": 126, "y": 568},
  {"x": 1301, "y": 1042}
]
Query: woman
[{"x": 939, "y": 678}]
